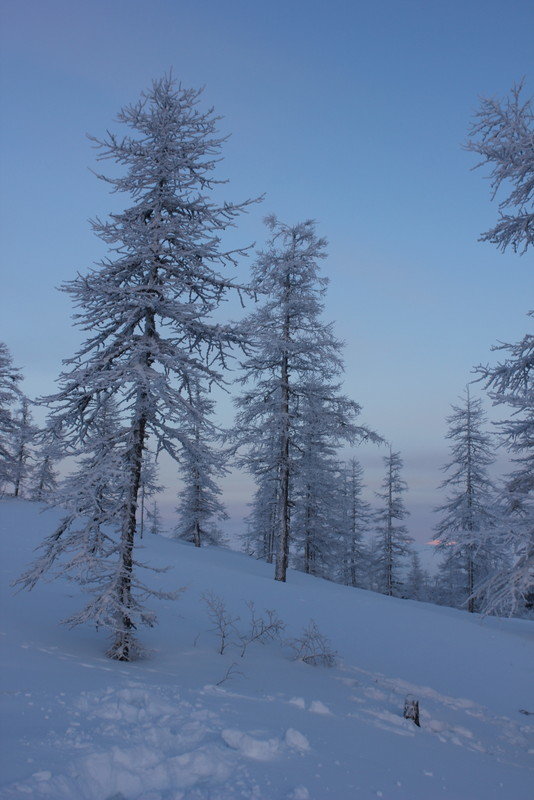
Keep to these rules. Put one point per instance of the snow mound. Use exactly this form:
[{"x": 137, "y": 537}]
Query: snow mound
[
  {"x": 259, "y": 749},
  {"x": 318, "y": 707},
  {"x": 297, "y": 740}
]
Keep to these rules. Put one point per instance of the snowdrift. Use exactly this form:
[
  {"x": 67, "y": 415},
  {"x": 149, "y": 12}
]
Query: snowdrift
[{"x": 190, "y": 724}]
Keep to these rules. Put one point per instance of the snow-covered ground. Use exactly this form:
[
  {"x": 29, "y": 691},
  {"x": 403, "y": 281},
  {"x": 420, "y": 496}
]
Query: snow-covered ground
[{"x": 76, "y": 726}]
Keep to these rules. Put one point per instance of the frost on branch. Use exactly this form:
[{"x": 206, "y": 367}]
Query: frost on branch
[
  {"x": 292, "y": 414},
  {"x": 510, "y": 383},
  {"x": 503, "y": 134},
  {"x": 9, "y": 394},
  {"x": 313, "y": 647},
  {"x": 466, "y": 530},
  {"x": 262, "y": 628},
  {"x": 148, "y": 311},
  {"x": 224, "y": 624},
  {"x": 393, "y": 541}
]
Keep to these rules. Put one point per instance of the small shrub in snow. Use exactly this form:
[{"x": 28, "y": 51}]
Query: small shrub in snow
[
  {"x": 262, "y": 629},
  {"x": 231, "y": 672},
  {"x": 223, "y": 622},
  {"x": 313, "y": 647}
]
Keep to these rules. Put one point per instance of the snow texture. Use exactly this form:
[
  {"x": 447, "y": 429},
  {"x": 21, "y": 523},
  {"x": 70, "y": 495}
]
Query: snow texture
[{"x": 170, "y": 727}]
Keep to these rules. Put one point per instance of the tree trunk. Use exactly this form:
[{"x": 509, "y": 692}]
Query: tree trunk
[
  {"x": 282, "y": 553},
  {"x": 389, "y": 535},
  {"x": 197, "y": 539},
  {"x": 122, "y": 647}
]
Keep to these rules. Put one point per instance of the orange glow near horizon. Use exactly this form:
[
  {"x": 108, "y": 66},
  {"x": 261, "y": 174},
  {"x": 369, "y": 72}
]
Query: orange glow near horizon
[{"x": 437, "y": 542}]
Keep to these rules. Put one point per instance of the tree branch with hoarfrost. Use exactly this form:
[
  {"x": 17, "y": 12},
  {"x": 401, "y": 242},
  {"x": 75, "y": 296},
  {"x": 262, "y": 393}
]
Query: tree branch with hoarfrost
[
  {"x": 393, "y": 542},
  {"x": 10, "y": 377},
  {"x": 294, "y": 367},
  {"x": 503, "y": 134},
  {"x": 467, "y": 529},
  {"x": 147, "y": 311}
]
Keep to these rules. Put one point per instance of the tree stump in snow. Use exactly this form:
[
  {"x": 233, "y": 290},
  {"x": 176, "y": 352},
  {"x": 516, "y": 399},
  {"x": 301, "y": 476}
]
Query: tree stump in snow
[{"x": 411, "y": 710}]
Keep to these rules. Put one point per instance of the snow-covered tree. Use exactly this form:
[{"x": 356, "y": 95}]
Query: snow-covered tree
[
  {"x": 450, "y": 578},
  {"x": 9, "y": 394},
  {"x": 200, "y": 505},
  {"x": 417, "y": 580},
  {"x": 467, "y": 527},
  {"x": 22, "y": 440},
  {"x": 87, "y": 544},
  {"x": 149, "y": 486},
  {"x": 260, "y": 536},
  {"x": 503, "y": 134},
  {"x": 356, "y": 522},
  {"x": 511, "y": 384},
  {"x": 326, "y": 420},
  {"x": 147, "y": 309},
  {"x": 48, "y": 452},
  {"x": 154, "y": 519},
  {"x": 293, "y": 349},
  {"x": 392, "y": 545},
  {"x": 45, "y": 475}
]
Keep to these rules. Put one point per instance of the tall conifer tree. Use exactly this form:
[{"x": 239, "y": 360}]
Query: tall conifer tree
[
  {"x": 147, "y": 308},
  {"x": 467, "y": 529},
  {"x": 9, "y": 394},
  {"x": 296, "y": 357},
  {"x": 503, "y": 134},
  {"x": 22, "y": 440},
  {"x": 355, "y": 556},
  {"x": 393, "y": 542}
]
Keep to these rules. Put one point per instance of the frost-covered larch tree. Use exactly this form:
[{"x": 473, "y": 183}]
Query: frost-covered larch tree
[
  {"x": 503, "y": 134},
  {"x": 466, "y": 531},
  {"x": 9, "y": 394},
  {"x": 392, "y": 545},
  {"x": 147, "y": 308},
  {"x": 355, "y": 557},
  {"x": 45, "y": 475},
  {"x": 316, "y": 494},
  {"x": 87, "y": 543},
  {"x": 450, "y": 578},
  {"x": 417, "y": 579},
  {"x": 511, "y": 383},
  {"x": 154, "y": 519},
  {"x": 200, "y": 505},
  {"x": 293, "y": 348},
  {"x": 149, "y": 486},
  {"x": 326, "y": 421},
  {"x": 23, "y": 437},
  {"x": 259, "y": 538}
]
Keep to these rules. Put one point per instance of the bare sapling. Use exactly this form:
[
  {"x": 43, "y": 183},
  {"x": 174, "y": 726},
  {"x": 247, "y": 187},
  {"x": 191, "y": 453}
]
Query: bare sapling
[
  {"x": 313, "y": 647},
  {"x": 262, "y": 628},
  {"x": 224, "y": 624}
]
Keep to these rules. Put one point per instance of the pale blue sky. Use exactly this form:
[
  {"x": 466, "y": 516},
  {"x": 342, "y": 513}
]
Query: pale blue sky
[{"x": 353, "y": 114}]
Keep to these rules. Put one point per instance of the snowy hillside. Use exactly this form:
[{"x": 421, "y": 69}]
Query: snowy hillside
[{"x": 76, "y": 725}]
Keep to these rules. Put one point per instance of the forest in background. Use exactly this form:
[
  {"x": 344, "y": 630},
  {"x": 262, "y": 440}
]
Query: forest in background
[{"x": 141, "y": 384}]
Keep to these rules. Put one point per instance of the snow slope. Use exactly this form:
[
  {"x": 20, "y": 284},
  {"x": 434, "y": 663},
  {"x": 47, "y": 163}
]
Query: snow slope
[{"x": 77, "y": 726}]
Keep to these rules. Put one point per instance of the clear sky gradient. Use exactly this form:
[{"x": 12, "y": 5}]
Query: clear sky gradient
[{"x": 350, "y": 113}]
